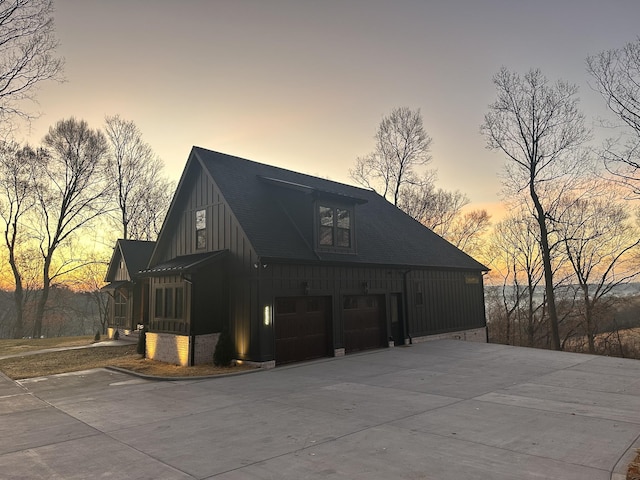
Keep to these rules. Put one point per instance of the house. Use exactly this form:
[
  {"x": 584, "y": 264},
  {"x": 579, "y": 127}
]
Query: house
[
  {"x": 298, "y": 267},
  {"x": 129, "y": 292}
]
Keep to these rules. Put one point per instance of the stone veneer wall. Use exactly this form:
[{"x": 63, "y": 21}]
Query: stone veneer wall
[
  {"x": 175, "y": 349},
  {"x": 473, "y": 335},
  {"x": 204, "y": 347}
]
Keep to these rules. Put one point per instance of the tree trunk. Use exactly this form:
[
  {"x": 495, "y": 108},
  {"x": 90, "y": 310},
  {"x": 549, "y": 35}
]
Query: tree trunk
[
  {"x": 588, "y": 317},
  {"x": 42, "y": 301},
  {"x": 18, "y": 298},
  {"x": 548, "y": 270}
]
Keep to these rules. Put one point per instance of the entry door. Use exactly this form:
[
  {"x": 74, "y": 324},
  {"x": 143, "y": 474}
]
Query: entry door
[{"x": 395, "y": 310}]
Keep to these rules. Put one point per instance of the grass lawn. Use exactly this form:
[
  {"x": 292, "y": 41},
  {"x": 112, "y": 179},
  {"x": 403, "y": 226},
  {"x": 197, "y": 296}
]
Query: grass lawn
[{"x": 123, "y": 356}]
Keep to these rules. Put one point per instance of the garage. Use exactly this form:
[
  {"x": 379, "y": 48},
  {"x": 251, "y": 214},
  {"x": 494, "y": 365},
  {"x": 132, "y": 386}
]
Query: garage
[
  {"x": 301, "y": 328},
  {"x": 364, "y": 322}
]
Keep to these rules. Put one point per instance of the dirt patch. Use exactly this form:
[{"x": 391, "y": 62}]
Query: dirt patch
[
  {"x": 43, "y": 364},
  {"x": 22, "y": 345},
  {"x": 633, "y": 473}
]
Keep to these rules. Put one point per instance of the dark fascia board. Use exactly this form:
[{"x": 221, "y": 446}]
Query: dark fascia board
[
  {"x": 188, "y": 263},
  {"x": 172, "y": 206},
  {"x": 116, "y": 285},
  {"x": 117, "y": 252},
  {"x": 346, "y": 262}
]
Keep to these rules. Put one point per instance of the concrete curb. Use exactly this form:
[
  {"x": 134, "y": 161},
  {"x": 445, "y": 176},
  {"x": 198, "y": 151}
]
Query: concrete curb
[
  {"x": 620, "y": 470},
  {"x": 181, "y": 379}
]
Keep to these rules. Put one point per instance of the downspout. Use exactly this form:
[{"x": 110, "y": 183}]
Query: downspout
[{"x": 405, "y": 310}]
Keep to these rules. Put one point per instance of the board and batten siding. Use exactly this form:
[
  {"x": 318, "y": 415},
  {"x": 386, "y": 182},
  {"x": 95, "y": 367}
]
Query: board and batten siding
[
  {"x": 223, "y": 232},
  {"x": 451, "y": 301}
]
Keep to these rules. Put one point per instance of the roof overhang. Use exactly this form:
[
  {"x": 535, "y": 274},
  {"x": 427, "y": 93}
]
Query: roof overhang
[
  {"x": 184, "y": 264},
  {"x": 116, "y": 285}
]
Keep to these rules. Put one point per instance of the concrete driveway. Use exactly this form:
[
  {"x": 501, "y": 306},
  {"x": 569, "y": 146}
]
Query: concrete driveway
[{"x": 437, "y": 410}]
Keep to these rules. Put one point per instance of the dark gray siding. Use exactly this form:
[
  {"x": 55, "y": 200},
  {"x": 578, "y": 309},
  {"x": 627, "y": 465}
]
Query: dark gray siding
[{"x": 452, "y": 300}]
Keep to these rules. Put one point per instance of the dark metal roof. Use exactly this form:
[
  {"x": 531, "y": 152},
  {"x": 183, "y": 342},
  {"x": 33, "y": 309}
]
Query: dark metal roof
[
  {"x": 116, "y": 285},
  {"x": 275, "y": 209},
  {"x": 134, "y": 253},
  {"x": 185, "y": 263}
]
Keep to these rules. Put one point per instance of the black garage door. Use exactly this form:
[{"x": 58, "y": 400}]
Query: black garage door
[
  {"x": 301, "y": 328},
  {"x": 364, "y": 322}
]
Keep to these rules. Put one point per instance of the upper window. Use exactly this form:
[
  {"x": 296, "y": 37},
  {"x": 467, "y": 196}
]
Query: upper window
[
  {"x": 201, "y": 229},
  {"x": 335, "y": 227}
]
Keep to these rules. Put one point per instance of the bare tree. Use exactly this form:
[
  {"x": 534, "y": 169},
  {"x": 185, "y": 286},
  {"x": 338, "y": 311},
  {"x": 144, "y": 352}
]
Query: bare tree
[
  {"x": 27, "y": 53},
  {"x": 142, "y": 192},
  {"x": 516, "y": 260},
  {"x": 539, "y": 128},
  {"x": 617, "y": 78},
  {"x": 155, "y": 201},
  {"x": 71, "y": 192},
  {"x": 467, "y": 231},
  {"x": 434, "y": 208},
  {"x": 16, "y": 200},
  {"x": 598, "y": 240},
  {"x": 402, "y": 146}
]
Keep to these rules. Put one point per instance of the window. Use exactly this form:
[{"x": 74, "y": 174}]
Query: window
[
  {"x": 159, "y": 310},
  {"x": 285, "y": 306},
  {"x": 179, "y": 302},
  {"x": 326, "y": 226},
  {"x": 169, "y": 302},
  {"x": 343, "y": 228},
  {"x": 120, "y": 307},
  {"x": 334, "y": 229},
  {"x": 201, "y": 229}
]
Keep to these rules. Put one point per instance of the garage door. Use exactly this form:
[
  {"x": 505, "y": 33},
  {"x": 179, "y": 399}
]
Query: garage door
[
  {"x": 301, "y": 328},
  {"x": 364, "y": 322}
]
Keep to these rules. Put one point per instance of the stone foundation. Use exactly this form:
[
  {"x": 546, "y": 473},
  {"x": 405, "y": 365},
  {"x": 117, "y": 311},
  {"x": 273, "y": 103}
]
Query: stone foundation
[
  {"x": 473, "y": 335},
  {"x": 176, "y": 349}
]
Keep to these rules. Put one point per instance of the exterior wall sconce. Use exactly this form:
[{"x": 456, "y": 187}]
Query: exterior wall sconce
[
  {"x": 257, "y": 265},
  {"x": 267, "y": 315},
  {"x": 306, "y": 287},
  {"x": 365, "y": 287}
]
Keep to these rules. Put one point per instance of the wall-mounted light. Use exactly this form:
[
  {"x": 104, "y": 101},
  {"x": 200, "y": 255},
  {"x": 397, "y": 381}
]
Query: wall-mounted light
[{"x": 267, "y": 315}]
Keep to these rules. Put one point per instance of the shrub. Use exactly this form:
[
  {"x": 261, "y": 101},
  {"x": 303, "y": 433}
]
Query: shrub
[
  {"x": 142, "y": 341},
  {"x": 97, "y": 336},
  {"x": 223, "y": 354}
]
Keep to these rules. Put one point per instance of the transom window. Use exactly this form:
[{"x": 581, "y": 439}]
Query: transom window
[{"x": 335, "y": 227}]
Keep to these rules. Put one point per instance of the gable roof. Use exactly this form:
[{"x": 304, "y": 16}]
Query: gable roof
[
  {"x": 267, "y": 201},
  {"x": 135, "y": 255}
]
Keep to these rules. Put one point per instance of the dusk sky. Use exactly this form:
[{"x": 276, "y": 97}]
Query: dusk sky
[{"x": 304, "y": 84}]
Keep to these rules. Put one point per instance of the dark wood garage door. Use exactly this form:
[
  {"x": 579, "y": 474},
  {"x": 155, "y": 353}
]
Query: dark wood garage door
[
  {"x": 301, "y": 327},
  {"x": 364, "y": 322}
]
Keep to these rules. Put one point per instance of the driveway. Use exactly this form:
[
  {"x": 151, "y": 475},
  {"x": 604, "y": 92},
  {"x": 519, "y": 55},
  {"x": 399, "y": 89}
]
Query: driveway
[{"x": 436, "y": 410}]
